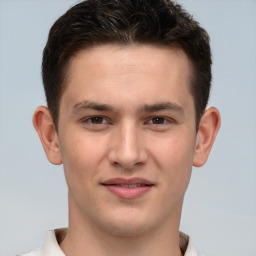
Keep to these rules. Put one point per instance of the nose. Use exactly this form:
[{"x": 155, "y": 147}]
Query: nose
[{"x": 127, "y": 148}]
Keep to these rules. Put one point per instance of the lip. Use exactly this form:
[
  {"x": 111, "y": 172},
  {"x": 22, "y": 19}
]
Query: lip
[{"x": 120, "y": 187}]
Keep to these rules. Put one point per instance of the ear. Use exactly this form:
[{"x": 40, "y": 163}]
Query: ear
[
  {"x": 207, "y": 131},
  {"x": 43, "y": 123}
]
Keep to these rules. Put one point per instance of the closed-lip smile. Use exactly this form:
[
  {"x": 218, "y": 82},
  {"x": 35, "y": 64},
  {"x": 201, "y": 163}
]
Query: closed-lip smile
[{"x": 128, "y": 188}]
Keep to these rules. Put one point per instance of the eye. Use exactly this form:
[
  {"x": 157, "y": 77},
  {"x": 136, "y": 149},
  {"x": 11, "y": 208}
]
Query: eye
[
  {"x": 159, "y": 120},
  {"x": 95, "y": 120}
]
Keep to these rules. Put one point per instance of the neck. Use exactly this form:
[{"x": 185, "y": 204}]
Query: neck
[{"x": 85, "y": 238}]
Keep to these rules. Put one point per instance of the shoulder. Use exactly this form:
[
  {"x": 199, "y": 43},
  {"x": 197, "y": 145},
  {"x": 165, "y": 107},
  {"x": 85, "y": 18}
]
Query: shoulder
[
  {"x": 32, "y": 253},
  {"x": 50, "y": 246}
]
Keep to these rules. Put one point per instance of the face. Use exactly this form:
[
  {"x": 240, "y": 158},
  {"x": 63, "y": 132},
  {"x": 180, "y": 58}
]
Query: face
[{"x": 127, "y": 136}]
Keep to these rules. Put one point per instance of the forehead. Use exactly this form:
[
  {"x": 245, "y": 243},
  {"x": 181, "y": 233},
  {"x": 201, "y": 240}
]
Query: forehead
[
  {"x": 113, "y": 58},
  {"x": 128, "y": 72}
]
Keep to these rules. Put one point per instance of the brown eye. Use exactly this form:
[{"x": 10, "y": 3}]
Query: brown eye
[
  {"x": 158, "y": 120},
  {"x": 97, "y": 120},
  {"x": 95, "y": 123}
]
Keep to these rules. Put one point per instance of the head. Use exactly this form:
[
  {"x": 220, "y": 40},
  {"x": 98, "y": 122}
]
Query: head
[
  {"x": 127, "y": 83},
  {"x": 123, "y": 22}
]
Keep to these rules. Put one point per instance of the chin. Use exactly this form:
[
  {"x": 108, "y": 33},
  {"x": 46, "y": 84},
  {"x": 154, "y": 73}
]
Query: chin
[
  {"x": 127, "y": 230},
  {"x": 127, "y": 225}
]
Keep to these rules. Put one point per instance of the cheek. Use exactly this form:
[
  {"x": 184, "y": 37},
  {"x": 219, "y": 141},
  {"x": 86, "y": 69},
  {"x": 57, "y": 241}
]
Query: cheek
[
  {"x": 81, "y": 156},
  {"x": 174, "y": 156},
  {"x": 174, "y": 150}
]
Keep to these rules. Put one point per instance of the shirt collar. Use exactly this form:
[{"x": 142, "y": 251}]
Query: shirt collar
[
  {"x": 187, "y": 245},
  {"x": 54, "y": 237},
  {"x": 51, "y": 246}
]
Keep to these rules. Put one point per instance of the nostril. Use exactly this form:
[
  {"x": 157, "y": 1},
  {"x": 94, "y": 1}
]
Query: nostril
[{"x": 115, "y": 163}]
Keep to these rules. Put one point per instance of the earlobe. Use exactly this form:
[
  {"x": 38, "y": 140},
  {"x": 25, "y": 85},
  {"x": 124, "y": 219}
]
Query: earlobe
[
  {"x": 207, "y": 132},
  {"x": 44, "y": 125}
]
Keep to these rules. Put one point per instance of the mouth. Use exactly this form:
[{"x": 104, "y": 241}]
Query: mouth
[
  {"x": 130, "y": 185},
  {"x": 128, "y": 188}
]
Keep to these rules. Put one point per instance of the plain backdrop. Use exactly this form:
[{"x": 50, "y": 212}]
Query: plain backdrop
[{"x": 220, "y": 205}]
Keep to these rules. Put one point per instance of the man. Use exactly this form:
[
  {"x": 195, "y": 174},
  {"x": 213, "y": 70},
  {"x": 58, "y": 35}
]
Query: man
[{"x": 127, "y": 83}]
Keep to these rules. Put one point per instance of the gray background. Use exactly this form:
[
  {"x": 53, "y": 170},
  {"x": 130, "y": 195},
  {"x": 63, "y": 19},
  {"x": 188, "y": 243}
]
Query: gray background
[{"x": 220, "y": 205}]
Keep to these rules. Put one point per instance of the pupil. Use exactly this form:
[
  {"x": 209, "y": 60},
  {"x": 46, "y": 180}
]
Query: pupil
[
  {"x": 158, "y": 120},
  {"x": 97, "y": 120}
]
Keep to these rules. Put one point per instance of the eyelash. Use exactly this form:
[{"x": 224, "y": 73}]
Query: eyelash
[
  {"x": 163, "y": 120},
  {"x": 102, "y": 120},
  {"x": 89, "y": 120}
]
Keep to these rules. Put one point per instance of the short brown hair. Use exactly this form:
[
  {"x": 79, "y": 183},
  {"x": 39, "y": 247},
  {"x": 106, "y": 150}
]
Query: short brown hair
[{"x": 124, "y": 22}]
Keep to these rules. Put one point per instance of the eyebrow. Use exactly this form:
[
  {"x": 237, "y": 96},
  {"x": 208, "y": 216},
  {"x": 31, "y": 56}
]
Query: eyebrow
[
  {"x": 163, "y": 106},
  {"x": 146, "y": 108},
  {"x": 92, "y": 105}
]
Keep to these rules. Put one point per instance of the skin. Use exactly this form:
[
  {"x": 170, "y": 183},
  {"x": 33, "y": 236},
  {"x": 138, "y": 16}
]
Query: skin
[{"x": 126, "y": 112}]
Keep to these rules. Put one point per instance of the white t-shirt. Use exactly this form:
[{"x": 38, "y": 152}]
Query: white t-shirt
[{"x": 51, "y": 246}]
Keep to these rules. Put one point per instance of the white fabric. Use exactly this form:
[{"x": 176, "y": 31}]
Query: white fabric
[{"x": 51, "y": 247}]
